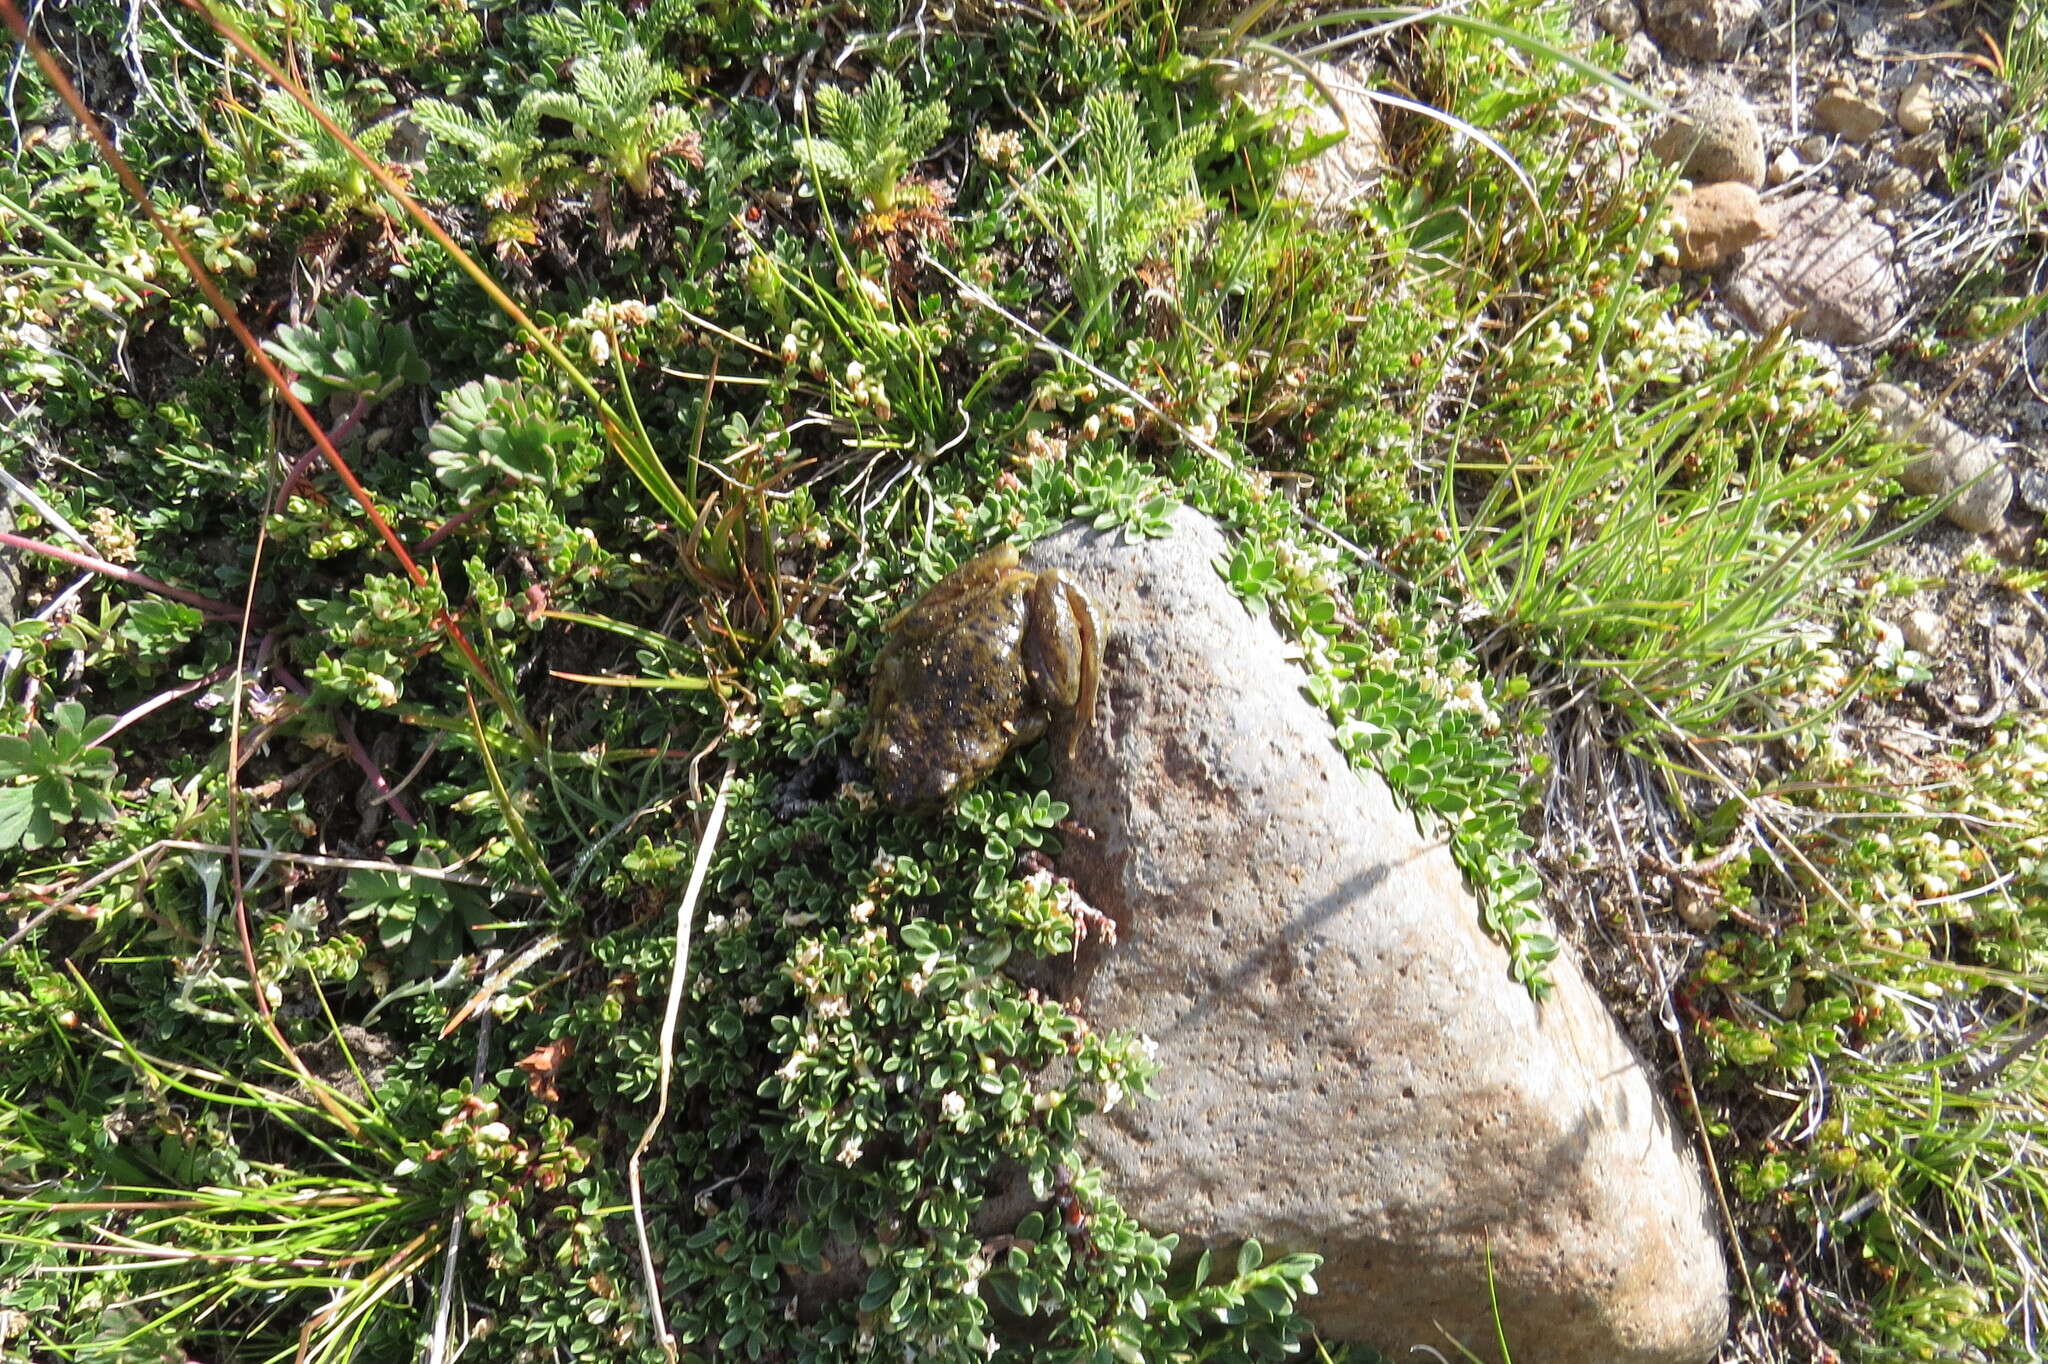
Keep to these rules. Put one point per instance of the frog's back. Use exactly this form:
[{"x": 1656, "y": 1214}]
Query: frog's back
[{"x": 960, "y": 704}]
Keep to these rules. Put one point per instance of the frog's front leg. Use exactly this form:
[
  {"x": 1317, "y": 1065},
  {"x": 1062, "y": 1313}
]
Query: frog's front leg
[{"x": 1063, "y": 652}]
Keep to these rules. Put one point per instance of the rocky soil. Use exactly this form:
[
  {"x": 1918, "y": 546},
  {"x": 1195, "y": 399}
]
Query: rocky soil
[
  {"x": 1885, "y": 224},
  {"x": 1857, "y": 176}
]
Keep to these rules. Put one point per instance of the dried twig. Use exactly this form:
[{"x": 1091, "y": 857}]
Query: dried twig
[{"x": 668, "y": 1044}]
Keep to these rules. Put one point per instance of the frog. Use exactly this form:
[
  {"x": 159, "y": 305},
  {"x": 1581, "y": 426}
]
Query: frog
[{"x": 976, "y": 668}]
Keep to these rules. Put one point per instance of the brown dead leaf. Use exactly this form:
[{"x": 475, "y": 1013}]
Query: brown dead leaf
[{"x": 543, "y": 1064}]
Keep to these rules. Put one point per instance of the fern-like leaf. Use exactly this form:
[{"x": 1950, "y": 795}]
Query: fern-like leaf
[
  {"x": 838, "y": 115},
  {"x": 1118, "y": 198},
  {"x": 826, "y": 160},
  {"x": 870, "y": 139}
]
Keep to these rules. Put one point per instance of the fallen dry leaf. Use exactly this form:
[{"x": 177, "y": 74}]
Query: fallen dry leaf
[{"x": 543, "y": 1064}]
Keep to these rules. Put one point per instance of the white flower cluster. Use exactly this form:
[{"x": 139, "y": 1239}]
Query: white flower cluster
[
  {"x": 1811, "y": 381},
  {"x": 1003, "y": 150},
  {"x": 1562, "y": 334},
  {"x": 1668, "y": 349},
  {"x": 867, "y": 390},
  {"x": 1921, "y": 866},
  {"x": 602, "y": 319}
]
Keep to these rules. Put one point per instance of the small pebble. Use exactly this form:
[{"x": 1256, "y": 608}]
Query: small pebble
[
  {"x": 1849, "y": 114},
  {"x": 1813, "y": 148},
  {"x": 1897, "y": 187},
  {"x": 1784, "y": 166},
  {"x": 1951, "y": 459},
  {"x": 1618, "y": 18},
  {"x": 1824, "y": 21},
  {"x": 1923, "y": 153},
  {"x": 1915, "y": 109},
  {"x": 1641, "y": 57},
  {"x": 2033, "y": 487},
  {"x": 1714, "y": 137},
  {"x": 1924, "y": 631},
  {"x": 1710, "y": 224}
]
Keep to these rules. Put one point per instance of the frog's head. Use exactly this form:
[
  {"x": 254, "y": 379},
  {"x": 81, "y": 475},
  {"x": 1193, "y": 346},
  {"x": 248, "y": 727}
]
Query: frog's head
[{"x": 907, "y": 786}]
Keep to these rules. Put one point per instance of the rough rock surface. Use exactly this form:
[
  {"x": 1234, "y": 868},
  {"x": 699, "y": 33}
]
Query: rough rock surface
[
  {"x": 1617, "y": 18},
  {"x": 1704, "y": 30},
  {"x": 1829, "y": 264},
  {"x": 1714, "y": 137},
  {"x": 1897, "y": 187},
  {"x": 1714, "y": 222},
  {"x": 1344, "y": 172},
  {"x": 2033, "y": 490},
  {"x": 1348, "y": 1067},
  {"x": 1954, "y": 458}
]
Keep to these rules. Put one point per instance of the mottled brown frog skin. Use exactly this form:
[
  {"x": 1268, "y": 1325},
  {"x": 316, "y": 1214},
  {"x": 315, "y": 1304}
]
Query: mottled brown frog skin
[{"x": 976, "y": 667}]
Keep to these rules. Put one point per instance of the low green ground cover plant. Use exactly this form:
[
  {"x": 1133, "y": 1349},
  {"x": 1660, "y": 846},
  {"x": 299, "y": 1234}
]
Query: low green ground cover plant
[{"x": 443, "y": 915}]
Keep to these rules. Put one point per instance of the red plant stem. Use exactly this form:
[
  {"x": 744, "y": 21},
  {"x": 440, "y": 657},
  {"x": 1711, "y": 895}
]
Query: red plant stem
[
  {"x": 336, "y": 434},
  {"x": 460, "y": 519},
  {"x": 225, "y": 310},
  {"x": 362, "y": 757},
  {"x": 347, "y": 729},
  {"x": 119, "y": 574}
]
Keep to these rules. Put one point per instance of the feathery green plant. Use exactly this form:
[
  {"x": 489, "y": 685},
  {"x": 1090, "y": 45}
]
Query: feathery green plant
[
  {"x": 1119, "y": 197},
  {"x": 870, "y": 139},
  {"x": 498, "y": 159},
  {"x": 315, "y": 163},
  {"x": 620, "y": 122}
]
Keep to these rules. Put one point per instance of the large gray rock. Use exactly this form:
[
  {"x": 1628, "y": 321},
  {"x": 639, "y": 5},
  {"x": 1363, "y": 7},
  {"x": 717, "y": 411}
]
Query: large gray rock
[
  {"x": 1829, "y": 272},
  {"x": 1347, "y": 1066}
]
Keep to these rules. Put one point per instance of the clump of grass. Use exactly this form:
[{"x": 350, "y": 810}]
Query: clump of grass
[{"x": 1667, "y": 543}]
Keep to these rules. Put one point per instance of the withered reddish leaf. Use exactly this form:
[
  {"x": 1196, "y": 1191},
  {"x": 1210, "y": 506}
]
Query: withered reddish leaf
[{"x": 543, "y": 1064}]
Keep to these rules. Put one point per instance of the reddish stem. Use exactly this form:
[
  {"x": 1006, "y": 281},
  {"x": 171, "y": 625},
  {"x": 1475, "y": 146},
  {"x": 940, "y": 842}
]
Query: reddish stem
[
  {"x": 460, "y": 519},
  {"x": 203, "y": 279},
  {"x": 340, "y": 432},
  {"x": 373, "y": 771},
  {"x": 347, "y": 730},
  {"x": 119, "y": 574}
]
